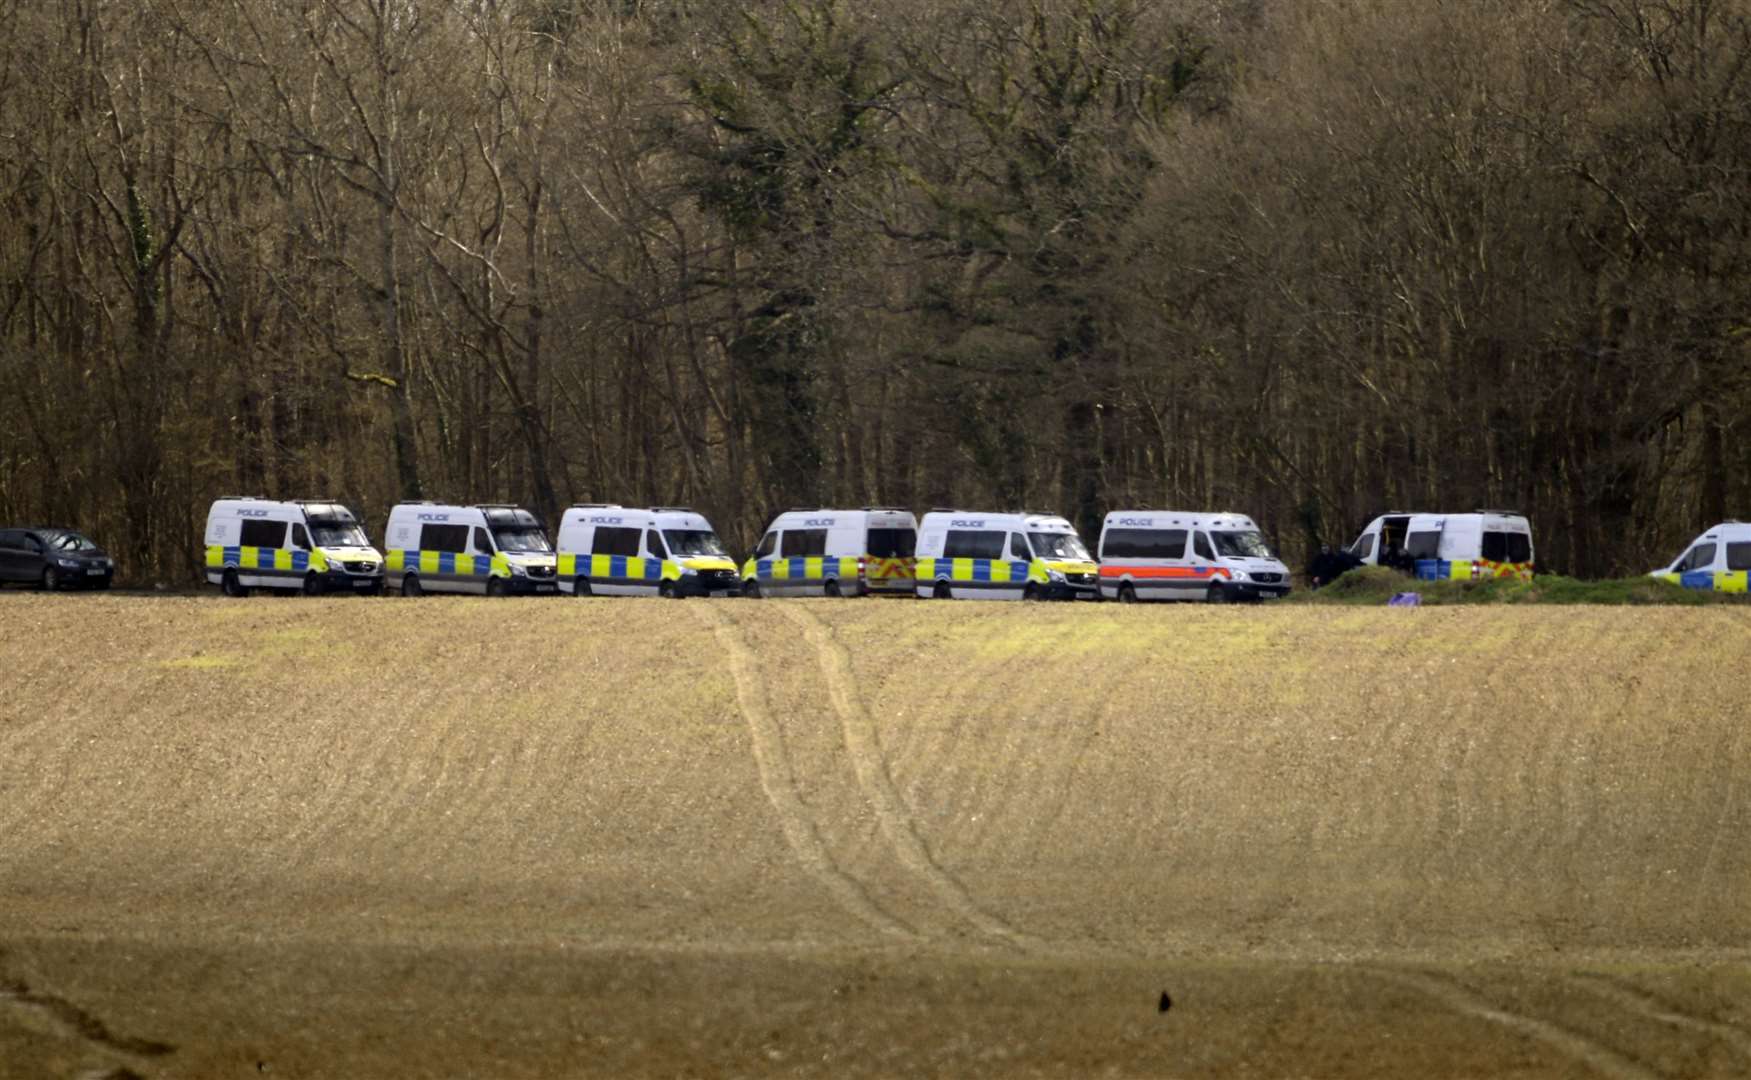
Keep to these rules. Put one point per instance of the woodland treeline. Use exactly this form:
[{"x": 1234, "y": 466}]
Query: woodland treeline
[{"x": 1306, "y": 259}]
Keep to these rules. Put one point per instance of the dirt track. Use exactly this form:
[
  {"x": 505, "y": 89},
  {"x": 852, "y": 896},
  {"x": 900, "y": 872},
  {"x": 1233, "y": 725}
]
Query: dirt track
[{"x": 609, "y": 837}]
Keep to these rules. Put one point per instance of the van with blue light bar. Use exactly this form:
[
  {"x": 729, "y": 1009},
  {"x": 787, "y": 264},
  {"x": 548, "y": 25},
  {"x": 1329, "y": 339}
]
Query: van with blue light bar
[
  {"x": 489, "y": 549},
  {"x": 313, "y": 546},
  {"x": 1719, "y": 560}
]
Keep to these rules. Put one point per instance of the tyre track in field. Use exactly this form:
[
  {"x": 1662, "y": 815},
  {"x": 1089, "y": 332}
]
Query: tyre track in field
[
  {"x": 863, "y": 744},
  {"x": 1642, "y": 1003},
  {"x": 778, "y": 781},
  {"x": 75, "y": 1021},
  {"x": 1464, "y": 1000}
]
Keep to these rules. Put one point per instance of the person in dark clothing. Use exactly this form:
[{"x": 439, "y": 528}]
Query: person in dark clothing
[{"x": 1328, "y": 565}]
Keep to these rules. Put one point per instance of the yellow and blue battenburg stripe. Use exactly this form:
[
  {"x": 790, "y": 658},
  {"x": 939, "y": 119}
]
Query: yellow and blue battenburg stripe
[
  {"x": 982, "y": 571},
  {"x": 621, "y": 569},
  {"x": 1470, "y": 570},
  {"x": 447, "y": 564},
  {"x": 1727, "y": 581},
  {"x": 265, "y": 560},
  {"x": 802, "y": 568}
]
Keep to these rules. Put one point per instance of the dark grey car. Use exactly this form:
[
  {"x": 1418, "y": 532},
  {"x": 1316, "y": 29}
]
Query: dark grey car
[{"x": 53, "y": 558}]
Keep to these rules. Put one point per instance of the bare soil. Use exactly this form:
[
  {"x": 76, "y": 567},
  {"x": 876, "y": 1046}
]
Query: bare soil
[{"x": 597, "y": 837}]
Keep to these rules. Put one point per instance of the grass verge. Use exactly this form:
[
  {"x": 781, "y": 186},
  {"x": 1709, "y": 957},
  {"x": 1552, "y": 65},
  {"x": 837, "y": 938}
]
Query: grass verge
[{"x": 1375, "y": 585}]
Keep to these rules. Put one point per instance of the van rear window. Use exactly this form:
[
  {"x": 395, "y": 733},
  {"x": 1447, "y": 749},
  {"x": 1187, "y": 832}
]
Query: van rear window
[
  {"x": 263, "y": 534},
  {"x": 974, "y": 544},
  {"x": 1143, "y": 544},
  {"x": 1739, "y": 556},
  {"x": 612, "y": 540},
  {"x": 1507, "y": 547},
  {"x": 892, "y": 543}
]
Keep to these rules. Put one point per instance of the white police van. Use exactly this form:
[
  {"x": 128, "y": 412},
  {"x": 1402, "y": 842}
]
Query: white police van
[
  {"x": 1480, "y": 544},
  {"x": 309, "y": 545},
  {"x": 816, "y": 552},
  {"x": 1718, "y": 560},
  {"x": 1180, "y": 555},
  {"x": 972, "y": 554},
  {"x": 610, "y": 550},
  {"x": 490, "y": 549}
]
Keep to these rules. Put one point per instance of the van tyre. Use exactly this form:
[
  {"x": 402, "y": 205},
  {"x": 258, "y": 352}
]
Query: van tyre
[
  {"x": 581, "y": 587},
  {"x": 943, "y": 592},
  {"x": 495, "y": 586},
  {"x": 1216, "y": 595},
  {"x": 667, "y": 590},
  {"x": 410, "y": 586},
  {"x": 1127, "y": 594},
  {"x": 1030, "y": 592},
  {"x": 832, "y": 588},
  {"x": 751, "y": 589},
  {"x": 230, "y": 586},
  {"x": 312, "y": 585}
]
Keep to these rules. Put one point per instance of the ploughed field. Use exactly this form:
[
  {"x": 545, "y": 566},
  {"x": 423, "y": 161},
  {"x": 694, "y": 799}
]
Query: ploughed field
[{"x": 461, "y": 837}]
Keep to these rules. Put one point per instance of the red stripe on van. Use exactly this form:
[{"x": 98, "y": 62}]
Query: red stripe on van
[{"x": 1109, "y": 570}]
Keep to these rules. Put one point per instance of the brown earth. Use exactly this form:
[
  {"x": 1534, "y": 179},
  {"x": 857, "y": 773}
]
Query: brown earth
[{"x": 445, "y": 837}]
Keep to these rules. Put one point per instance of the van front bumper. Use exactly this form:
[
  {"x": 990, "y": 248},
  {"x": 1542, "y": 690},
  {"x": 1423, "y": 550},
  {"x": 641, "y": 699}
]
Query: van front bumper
[
  {"x": 339, "y": 581},
  {"x": 1071, "y": 590},
  {"x": 709, "y": 583},
  {"x": 1252, "y": 590}
]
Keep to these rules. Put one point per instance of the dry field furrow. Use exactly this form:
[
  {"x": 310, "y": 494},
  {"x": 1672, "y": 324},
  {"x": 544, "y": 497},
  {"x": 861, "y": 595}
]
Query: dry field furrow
[{"x": 627, "y": 837}]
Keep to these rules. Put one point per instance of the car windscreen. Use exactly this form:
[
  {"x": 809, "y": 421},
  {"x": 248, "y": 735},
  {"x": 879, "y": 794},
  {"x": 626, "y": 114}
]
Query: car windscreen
[
  {"x": 1057, "y": 545},
  {"x": 337, "y": 534},
  {"x": 70, "y": 541},
  {"x": 1242, "y": 544},
  {"x": 522, "y": 541},
  {"x": 693, "y": 542},
  {"x": 892, "y": 543}
]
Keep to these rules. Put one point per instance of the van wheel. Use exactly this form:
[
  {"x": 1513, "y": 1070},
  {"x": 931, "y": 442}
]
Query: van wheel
[
  {"x": 410, "y": 586},
  {"x": 667, "y": 590},
  {"x": 1127, "y": 595},
  {"x": 943, "y": 592},
  {"x": 1031, "y": 592},
  {"x": 1216, "y": 595},
  {"x": 751, "y": 589},
  {"x": 581, "y": 587},
  {"x": 230, "y": 586},
  {"x": 832, "y": 588},
  {"x": 495, "y": 586},
  {"x": 312, "y": 585}
]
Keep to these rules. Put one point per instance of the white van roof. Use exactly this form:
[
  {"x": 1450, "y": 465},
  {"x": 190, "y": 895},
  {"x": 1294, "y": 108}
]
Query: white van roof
[
  {"x": 1038, "y": 520},
  {"x": 1176, "y": 519},
  {"x": 643, "y": 517}
]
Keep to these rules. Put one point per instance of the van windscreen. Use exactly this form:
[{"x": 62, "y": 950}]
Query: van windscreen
[
  {"x": 1058, "y": 545},
  {"x": 1507, "y": 547},
  {"x": 892, "y": 543},
  {"x": 522, "y": 540},
  {"x": 693, "y": 542},
  {"x": 1250, "y": 544},
  {"x": 333, "y": 533}
]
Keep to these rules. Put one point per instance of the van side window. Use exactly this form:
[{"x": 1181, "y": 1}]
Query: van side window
[
  {"x": 804, "y": 542},
  {"x": 263, "y": 534},
  {"x": 614, "y": 540},
  {"x": 1144, "y": 544},
  {"x": 1427, "y": 545},
  {"x": 1701, "y": 557},
  {"x": 892, "y": 543},
  {"x": 482, "y": 542},
  {"x": 974, "y": 544},
  {"x": 1201, "y": 546},
  {"x": 451, "y": 538},
  {"x": 654, "y": 544},
  {"x": 1739, "y": 556},
  {"x": 1018, "y": 548},
  {"x": 300, "y": 538},
  {"x": 768, "y": 544}
]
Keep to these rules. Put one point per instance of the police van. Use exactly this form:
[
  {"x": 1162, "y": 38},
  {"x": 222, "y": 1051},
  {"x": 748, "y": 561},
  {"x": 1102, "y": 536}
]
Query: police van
[
  {"x": 814, "y": 552},
  {"x": 1179, "y": 555},
  {"x": 971, "y": 554},
  {"x": 1719, "y": 560},
  {"x": 609, "y": 550},
  {"x": 490, "y": 549},
  {"x": 1480, "y": 544},
  {"x": 312, "y": 545}
]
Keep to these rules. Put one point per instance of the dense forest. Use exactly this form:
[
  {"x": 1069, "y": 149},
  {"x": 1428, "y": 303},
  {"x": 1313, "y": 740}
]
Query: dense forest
[{"x": 1304, "y": 259}]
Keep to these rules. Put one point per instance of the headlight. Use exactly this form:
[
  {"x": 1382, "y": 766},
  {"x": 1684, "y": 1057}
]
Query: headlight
[
  {"x": 689, "y": 571},
  {"x": 517, "y": 570},
  {"x": 70, "y": 564},
  {"x": 1240, "y": 575},
  {"x": 1056, "y": 577}
]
